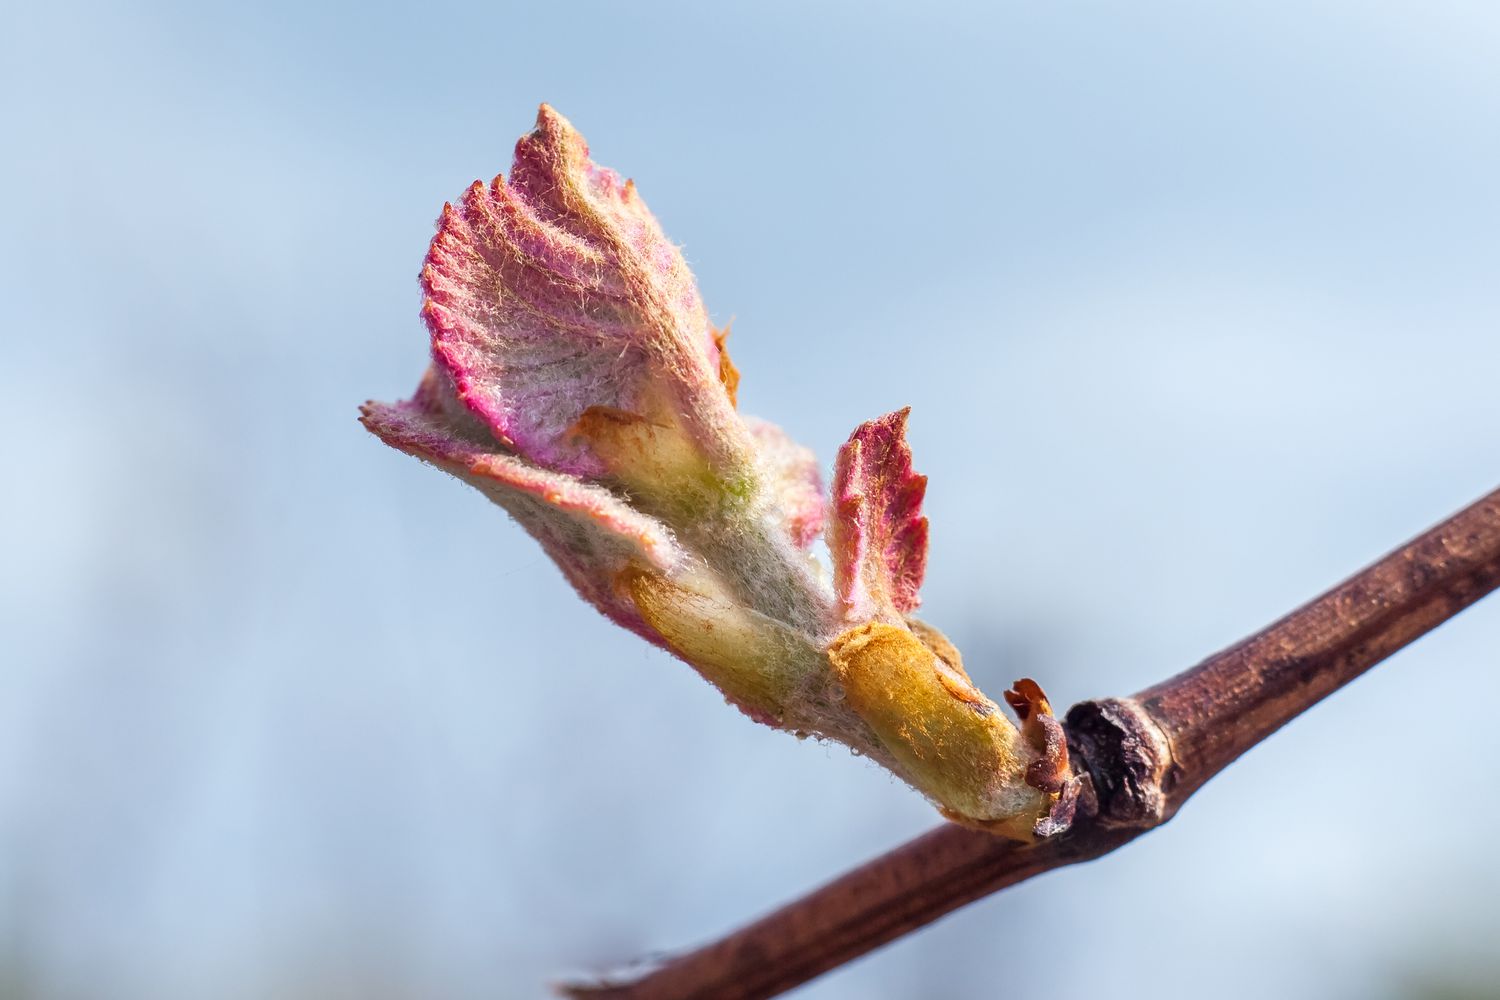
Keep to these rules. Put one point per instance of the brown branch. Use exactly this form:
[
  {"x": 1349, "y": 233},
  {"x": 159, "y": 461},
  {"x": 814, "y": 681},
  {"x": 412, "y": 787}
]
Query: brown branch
[{"x": 1144, "y": 755}]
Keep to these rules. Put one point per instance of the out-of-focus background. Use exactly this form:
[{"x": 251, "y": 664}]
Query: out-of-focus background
[{"x": 1197, "y": 312}]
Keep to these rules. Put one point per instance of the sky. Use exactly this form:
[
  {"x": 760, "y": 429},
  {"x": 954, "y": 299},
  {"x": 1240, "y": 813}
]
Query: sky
[{"x": 1195, "y": 308}]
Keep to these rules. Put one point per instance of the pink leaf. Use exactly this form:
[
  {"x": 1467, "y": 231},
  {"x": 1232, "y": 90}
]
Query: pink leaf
[
  {"x": 589, "y": 532},
  {"x": 878, "y": 536},
  {"x": 558, "y": 292}
]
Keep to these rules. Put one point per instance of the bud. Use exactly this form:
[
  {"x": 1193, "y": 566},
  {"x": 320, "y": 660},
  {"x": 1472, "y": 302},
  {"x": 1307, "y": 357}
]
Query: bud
[{"x": 577, "y": 382}]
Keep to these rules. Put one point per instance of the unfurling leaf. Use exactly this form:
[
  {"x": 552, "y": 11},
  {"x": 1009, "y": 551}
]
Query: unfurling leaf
[
  {"x": 879, "y": 536},
  {"x": 557, "y": 293},
  {"x": 588, "y": 531}
]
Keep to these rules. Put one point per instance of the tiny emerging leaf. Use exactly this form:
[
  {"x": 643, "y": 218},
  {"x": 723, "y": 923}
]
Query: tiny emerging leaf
[{"x": 879, "y": 537}]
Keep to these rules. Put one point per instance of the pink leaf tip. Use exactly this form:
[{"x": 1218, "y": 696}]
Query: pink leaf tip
[{"x": 877, "y": 535}]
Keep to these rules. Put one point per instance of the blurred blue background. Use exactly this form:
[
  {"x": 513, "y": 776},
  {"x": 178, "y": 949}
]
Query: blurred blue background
[{"x": 1204, "y": 306}]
